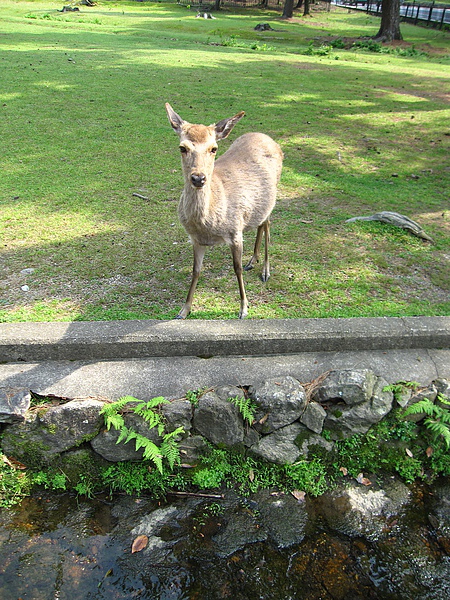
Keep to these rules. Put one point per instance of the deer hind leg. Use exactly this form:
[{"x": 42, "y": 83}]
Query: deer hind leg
[
  {"x": 264, "y": 228},
  {"x": 199, "y": 253},
  {"x": 255, "y": 258},
  {"x": 236, "y": 251},
  {"x": 266, "y": 268}
]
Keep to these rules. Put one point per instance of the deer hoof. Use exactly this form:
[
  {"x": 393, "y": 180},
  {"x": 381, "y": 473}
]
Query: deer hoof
[
  {"x": 182, "y": 315},
  {"x": 243, "y": 313}
]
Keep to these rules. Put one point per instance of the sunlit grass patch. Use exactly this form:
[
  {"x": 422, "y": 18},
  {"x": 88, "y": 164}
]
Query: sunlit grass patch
[{"x": 82, "y": 101}]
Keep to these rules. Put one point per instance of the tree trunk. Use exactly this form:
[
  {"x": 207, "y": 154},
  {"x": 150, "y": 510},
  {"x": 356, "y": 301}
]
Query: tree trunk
[
  {"x": 299, "y": 4},
  {"x": 288, "y": 9},
  {"x": 217, "y": 4},
  {"x": 390, "y": 22},
  {"x": 306, "y": 8}
]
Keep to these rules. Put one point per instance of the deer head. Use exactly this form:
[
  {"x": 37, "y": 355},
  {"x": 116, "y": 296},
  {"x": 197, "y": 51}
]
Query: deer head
[{"x": 198, "y": 145}]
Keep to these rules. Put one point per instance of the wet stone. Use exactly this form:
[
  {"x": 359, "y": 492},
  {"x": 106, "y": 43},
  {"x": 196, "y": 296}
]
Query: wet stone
[{"x": 284, "y": 518}]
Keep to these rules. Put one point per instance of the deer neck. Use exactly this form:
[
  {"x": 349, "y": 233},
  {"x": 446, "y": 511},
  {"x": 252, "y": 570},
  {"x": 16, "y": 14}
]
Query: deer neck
[{"x": 196, "y": 204}]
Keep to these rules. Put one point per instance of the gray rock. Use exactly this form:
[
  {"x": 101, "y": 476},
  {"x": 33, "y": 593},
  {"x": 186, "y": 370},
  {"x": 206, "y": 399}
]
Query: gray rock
[
  {"x": 440, "y": 514},
  {"x": 285, "y": 519},
  {"x": 44, "y": 435},
  {"x": 443, "y": 392},
  {"x": 279, "y": 447},
  {"x": 313, "y": 417},
  {"x": 251, "y": 437},
  {"x": 307, "y": 440},
  {"x": 219, "y": 421},
  {"x": 403, "y": 398},
  {"x": 178, "y": 414},
  {"x": 357, "y": 510},
  {"x": 157, "y": 549},
  {"x": 105, "y": 443},
  {"x": 72, "y": 423},
  {"x": 14, "y": 404},
  {"x": 443, "y": 387},
  {"x": 430, "y": 393},
  {"x": 343, "y": 421},
  {"x": 350, "y": 387},
  {"x": 281, "y": 401},
  {"x": 226, "y": 392},
  {"x": 191, "y": 449},
  {"x": 241, "y": 529},
  {"x": 382, "y": 400}
]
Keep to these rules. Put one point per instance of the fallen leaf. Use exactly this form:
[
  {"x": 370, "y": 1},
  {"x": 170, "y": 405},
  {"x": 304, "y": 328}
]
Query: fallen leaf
[
  {"x": 429, "y": 451},
  {"x": 343, "y": 470},
  {"x": 251, "y": 475},
  {"x": 13, "y": 463},
  {"x": 139, "y": 543},
  {"x": 409, "y": 453},
  {"x": 264, "y": 419},
  {"x": 363, "y": 480},
  {"x": 300, "y": 496}
]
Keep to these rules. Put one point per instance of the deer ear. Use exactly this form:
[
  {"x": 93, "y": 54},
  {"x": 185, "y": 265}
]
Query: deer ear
[
  {"x": 223, "y": 128},
  {"x": 174, "y": 119}
]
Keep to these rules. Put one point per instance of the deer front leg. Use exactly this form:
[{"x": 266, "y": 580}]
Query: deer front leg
[
  {"x": 236, "y": 251},
  {"x": 199, "y": 253}
]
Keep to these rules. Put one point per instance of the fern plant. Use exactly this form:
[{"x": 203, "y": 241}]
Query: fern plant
[
  {"x": 398, "y": 388},
  {"x": 169, "y": 447},
  {"x": 246, "y": 407},
  {"x": 437, "y": 420}
]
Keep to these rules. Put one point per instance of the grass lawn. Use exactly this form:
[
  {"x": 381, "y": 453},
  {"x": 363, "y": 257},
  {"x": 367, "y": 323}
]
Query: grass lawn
[{"x": 83, "y": 128}]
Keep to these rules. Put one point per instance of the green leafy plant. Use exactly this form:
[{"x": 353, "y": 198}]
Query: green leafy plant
[
  {"x": 85, "y": 486},
  {"x": 437, "y": 419},
  {"x": 215, "y": 466},
  {"x": 246, "y": 407},
  {"x": 398, "y": 388},
  {"x": 14, "y": 483},
  {"x": 55, "y": 481},
  {"x": 194, "y": 395},
  {"x": 309, "y": 476},
  {"x": 137, "y": 477},
  {"x": 169, "y": 447}
]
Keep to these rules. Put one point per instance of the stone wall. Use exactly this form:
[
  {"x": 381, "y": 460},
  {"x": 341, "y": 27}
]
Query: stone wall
[{"x": 290, "y": 417}]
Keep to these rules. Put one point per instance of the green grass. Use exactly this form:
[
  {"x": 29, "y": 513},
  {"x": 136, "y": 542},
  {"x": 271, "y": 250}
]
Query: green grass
[{"x": 83, "y": 127}]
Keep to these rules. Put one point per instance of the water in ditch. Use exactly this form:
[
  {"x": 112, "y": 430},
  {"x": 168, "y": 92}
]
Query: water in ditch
[{"x": 267, "y": 547}]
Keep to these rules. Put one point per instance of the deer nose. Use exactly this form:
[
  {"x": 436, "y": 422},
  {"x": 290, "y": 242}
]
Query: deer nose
[{"x": 198, "y": 180}]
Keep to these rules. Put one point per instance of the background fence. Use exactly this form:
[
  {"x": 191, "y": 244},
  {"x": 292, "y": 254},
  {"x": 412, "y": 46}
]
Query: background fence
[
  {"x": 425, "y": 13},
  {"x": 436, "y": 15}
]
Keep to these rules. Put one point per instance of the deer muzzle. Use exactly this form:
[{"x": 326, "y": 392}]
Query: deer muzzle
[{"x": 198, "y": 180}]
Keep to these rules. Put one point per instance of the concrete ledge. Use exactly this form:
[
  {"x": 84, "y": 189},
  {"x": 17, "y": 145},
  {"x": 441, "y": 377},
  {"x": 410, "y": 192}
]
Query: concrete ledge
[{"x": 111, "y": 340}]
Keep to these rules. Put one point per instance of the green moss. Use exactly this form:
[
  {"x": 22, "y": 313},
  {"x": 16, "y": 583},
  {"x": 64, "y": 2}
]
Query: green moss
[
  {"x": 50, "y": 428},
  {"x": 82, "y": 463},
  {"x": 32, "y": 453}
]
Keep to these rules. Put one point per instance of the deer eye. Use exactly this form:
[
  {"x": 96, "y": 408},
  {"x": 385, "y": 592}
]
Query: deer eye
[{"x": 183, "y": 149}]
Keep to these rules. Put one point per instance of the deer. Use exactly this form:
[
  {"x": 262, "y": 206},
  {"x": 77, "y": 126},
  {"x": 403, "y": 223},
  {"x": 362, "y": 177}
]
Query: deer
[{"x": 225, "y": 196}]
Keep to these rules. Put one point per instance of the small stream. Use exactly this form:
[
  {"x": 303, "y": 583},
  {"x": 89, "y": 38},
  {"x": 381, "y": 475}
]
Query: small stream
[{"x": 355, "y": 543}]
